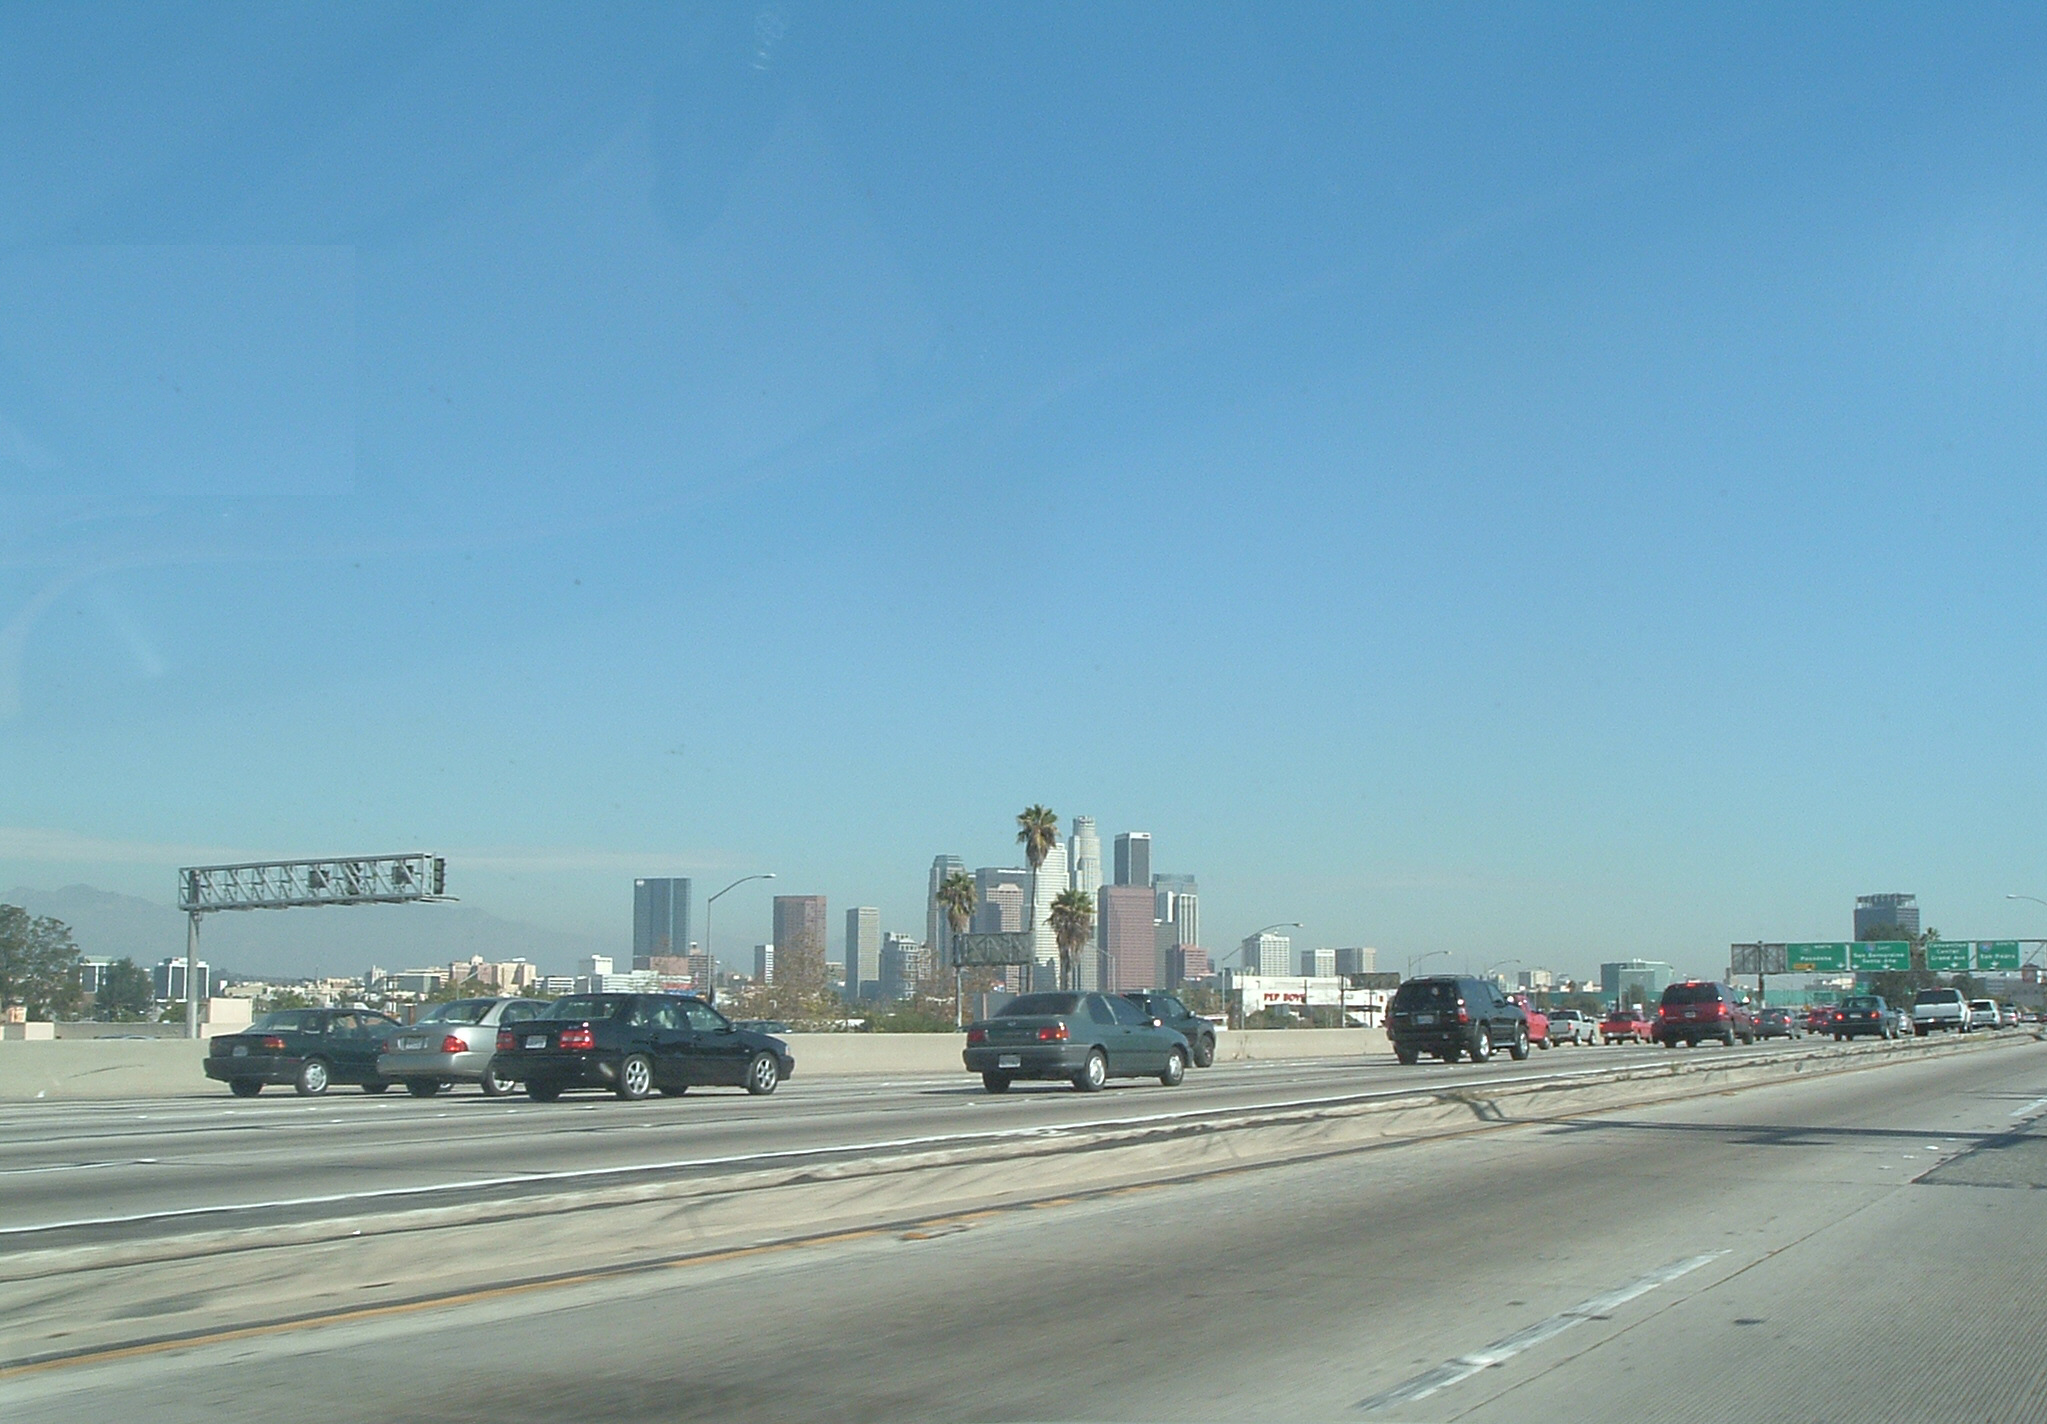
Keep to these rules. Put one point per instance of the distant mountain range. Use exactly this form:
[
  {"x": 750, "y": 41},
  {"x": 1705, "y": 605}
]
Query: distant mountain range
[{"x": 299, "y": 943}]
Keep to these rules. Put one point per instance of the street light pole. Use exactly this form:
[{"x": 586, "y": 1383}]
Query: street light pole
[
  {"x": 1414, "y": 959},
  {"x": 710, "y": 951}
]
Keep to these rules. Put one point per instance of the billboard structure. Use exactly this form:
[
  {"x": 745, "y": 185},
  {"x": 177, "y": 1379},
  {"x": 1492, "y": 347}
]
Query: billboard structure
[
  {"x": 992, "y": 950},
  {"x": 415, "y": 876}
]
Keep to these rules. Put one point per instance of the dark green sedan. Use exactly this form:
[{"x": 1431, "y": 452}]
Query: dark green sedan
[
  {"x": 307, "y": 1048},
  {"x": 1084, "y": 1039}
]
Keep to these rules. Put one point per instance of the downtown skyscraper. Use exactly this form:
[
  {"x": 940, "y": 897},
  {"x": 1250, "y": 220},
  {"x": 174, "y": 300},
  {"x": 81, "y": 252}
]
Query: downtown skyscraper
[
  {"x": 937, "y": 925},
  {"x": 1133, "y": 858},
  {"x": 800, "y": 941},
  {"x": 1084, "y": 857},
  {"x": 660, "y": 919}
]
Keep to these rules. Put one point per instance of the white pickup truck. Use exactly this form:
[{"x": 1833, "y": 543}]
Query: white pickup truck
[{"x": 1939, "y": 1008}]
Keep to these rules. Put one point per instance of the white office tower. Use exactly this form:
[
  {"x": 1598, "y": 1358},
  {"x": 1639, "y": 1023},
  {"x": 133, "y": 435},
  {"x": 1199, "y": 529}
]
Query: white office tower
[
  {"x": 937, "y": 924},
  {"x": 1267, "y": 955},
  {"x": 1051, "y": 880},
  {"x": 1084, "y": 857},
  {"x": 1318, "y": 963}
]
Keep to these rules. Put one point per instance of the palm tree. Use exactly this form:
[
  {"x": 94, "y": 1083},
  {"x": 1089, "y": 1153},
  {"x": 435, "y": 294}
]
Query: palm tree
[
  {"x": 957, "y": 894},
  {"x": 1037, "y": 831},
  {"x": 1073, "y": 923}
]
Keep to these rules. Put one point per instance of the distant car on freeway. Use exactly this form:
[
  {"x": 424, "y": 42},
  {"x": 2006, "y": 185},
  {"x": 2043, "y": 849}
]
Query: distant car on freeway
[
  {"x": 311, "y": 1049},
  {"x": 455, "y": 1042},
  {"x": 1454, "y": 1015},
  {"x": 1573, "y": 1026},
  {"x": 1819, "y": 1019},
  {"x": 636, "y": 1044},
  {"x": 1694, "y": 1010},
  {"x": 1865, "y": 1016},
  {"x": 1081, "y": 1038},
  {"x": 1944, "y": 1009},
  {"x": 1627, "y": 1024},
  {"x": 1167, "y": 1008},
  {"x": 1777, "y": 1023},
  {"x": 1984, "y": 1013}
]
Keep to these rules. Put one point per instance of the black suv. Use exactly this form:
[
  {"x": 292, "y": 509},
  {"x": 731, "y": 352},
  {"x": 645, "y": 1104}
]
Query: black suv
[
  {"x": 1696, "y": 1009},
  {"x": 1168, "y": 1010},
  {"x": 1453, "y": 1014}
]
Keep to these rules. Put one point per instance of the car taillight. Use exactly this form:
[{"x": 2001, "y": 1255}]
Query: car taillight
[
  {"x": 1053, "y": 1033},
  {"x": 1463, "y": 1014},
  {"x": 580, "y": 1036},
  {"x": 452, "y": 1044},
  {"x": 507, "y": 1040},
  {"x": 977, "y": 1035},
  {"x": 274, "y": 1044},
  {"x": 1720, "y": 1011}
]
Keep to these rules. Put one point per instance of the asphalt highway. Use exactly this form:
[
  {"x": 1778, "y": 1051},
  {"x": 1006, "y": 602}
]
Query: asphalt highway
[
  {"x": 1861, "y": 1245},
  {"x": 98, "y": 1170}
]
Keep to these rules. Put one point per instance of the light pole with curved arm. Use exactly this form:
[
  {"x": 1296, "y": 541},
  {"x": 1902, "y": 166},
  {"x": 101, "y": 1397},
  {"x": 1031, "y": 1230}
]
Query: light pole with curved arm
[
  {"x": 1414, "y": 959},
  {"x": 710, "y": 953}
]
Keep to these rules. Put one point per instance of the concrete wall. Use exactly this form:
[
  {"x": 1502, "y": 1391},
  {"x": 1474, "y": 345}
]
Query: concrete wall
[{"x": 165, "y": 1068}]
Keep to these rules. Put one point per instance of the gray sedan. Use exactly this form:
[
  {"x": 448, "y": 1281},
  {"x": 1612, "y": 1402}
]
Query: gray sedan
[
  {"x": 1083, "y": 1039},
  {"x": 452, "y": 1043}
]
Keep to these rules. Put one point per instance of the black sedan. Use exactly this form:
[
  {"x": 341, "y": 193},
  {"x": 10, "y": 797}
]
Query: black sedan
[
  {"x": 1083, "y": 1039},
  {"x": 307, "y": 1048},
  {"x": 1168, "y": 1010},
  {"x": 636, "y": 1044}
]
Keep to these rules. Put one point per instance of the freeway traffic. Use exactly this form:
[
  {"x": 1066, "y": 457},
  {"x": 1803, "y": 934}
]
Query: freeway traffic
[
  {"x": 106, "y": 1170},
  {"x": 1694, "y": 1258}
]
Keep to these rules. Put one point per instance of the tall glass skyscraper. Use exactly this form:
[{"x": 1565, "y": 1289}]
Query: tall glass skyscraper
[
  {"x": 1133, "y": 858},
  {"x": 1084, "y": 856},
  {"x": 660, "y": 918},
  {"x": 937, "y": 924}
]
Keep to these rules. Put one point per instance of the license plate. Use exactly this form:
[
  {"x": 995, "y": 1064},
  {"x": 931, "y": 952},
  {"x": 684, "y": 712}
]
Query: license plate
[
  {"x": 412, "y": 1043},
  {"x": 241, "y": 1050},
  {"x": 1009, "y": 1060},
  {"x": 1424, "y": 1018},
  {"x": 536, "y": 1040}
]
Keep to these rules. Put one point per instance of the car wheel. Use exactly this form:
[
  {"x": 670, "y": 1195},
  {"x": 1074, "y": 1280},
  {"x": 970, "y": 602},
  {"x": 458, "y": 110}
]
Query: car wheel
[
  {"x": 245, "y": 1087},
  {"x": 635, "y": 1077},
  {"x": 1407, "y": 1056},
  {"x": 1094, "y": 1074},
  {"x": 542, "y": 1091},
  {"x": 1204, "y": 1052},
  {"x": 1176, "y": 1069},
  {"x": 1727, "y": 1039},
  {"x": 1518, "y": 1050},
  {"x": 494, "y": 1083},
  {"x": 1481, "y": 1045},
  {"x": 312, "y": 1079},
  {"x": 761, "y": 1075},
  {"x": 422, "y": 1087},
  {"x": 377, "y": 1085},
  {"x": 995, "y": 1082}
]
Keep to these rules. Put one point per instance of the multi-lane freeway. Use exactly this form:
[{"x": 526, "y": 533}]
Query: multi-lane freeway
[
  {"x": 1859, "y": 1245},
  {"x": 107, "y": 1170}
]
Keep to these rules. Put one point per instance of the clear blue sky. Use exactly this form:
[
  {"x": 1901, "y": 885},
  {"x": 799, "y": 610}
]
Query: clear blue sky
[{"x": 1548, "y": 482}]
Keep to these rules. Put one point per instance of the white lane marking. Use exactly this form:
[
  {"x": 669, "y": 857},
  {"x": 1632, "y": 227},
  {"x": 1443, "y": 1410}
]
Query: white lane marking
[
  {"x": 1500, "y": 1351},
  {"x": 2029, "y": 1107}
]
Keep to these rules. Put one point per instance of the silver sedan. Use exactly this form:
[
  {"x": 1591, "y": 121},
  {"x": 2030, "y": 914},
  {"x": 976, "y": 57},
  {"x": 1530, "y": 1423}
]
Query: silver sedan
[{"x": 455, "y": 1042}]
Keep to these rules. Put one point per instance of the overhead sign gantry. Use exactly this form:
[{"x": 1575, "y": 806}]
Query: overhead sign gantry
[{"x": 416, "y": 876}]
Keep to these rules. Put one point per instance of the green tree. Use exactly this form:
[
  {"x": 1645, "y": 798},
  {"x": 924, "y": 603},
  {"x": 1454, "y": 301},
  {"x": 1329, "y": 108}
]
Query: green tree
[
  {"x": 1037, "y": 831},
  {"x": 38, "y": 965},
  {"x": 1073, "y": 925},
  {"x": 957, "y": 895},
  {"x": 125, "y": 994}
]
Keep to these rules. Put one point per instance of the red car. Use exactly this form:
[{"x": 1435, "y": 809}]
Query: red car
[
  {"x": 1626, "y": 1025},
  {"x": 1538, "y": 1021}
]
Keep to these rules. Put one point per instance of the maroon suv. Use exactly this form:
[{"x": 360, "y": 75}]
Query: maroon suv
[{"x": 1698, "y": 1009}]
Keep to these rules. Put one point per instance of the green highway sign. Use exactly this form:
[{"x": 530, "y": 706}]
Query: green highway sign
[
  {"x": 1816, "y": 958},
  {"x": 1949, "y": 956},
  {"x": 1882, "y": 955},
  {"x": 1997, "y": 954}
]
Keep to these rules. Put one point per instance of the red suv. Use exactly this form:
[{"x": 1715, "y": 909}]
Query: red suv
[{"x": 1699, "y": 1009}]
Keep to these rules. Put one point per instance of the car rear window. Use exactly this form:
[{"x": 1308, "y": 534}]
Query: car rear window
[
  {"x": 290, "y": 1021},
  {"x": 1692, "y": 994},
  {"x": 1860, "y": 1001},
  {"x": 586, "y": 1006},
  {"x": 1425, "y": 991},
  {"x": 1031, "y": 1006},
  {"x": 1938, "y": 996},
  {"x": 463, "y": 1011}
]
